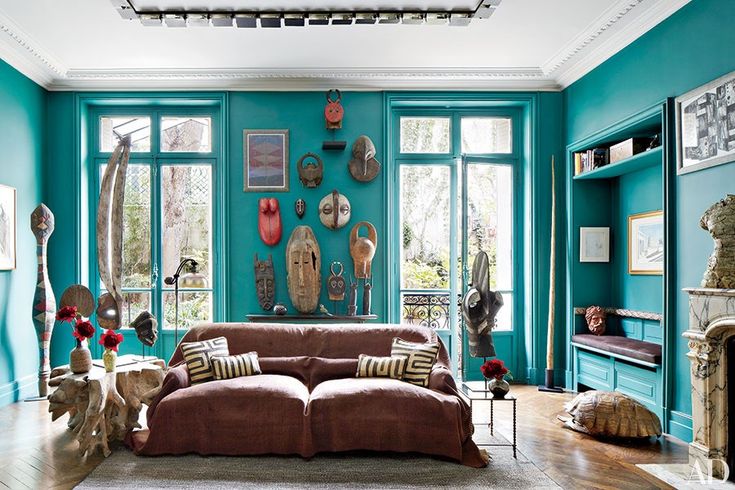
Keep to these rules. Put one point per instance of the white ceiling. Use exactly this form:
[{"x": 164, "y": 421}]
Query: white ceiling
[{"x": 526, "y": 44}]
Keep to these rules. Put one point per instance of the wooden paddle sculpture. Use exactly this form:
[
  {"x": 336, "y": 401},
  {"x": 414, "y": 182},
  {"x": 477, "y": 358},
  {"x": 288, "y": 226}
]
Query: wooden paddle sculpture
[
  {"x": 303, "y": 266},
  {"x": 44, "y": 303},
  {"x": 110, "y": 236},
  {"x": 362, "y": 249}
]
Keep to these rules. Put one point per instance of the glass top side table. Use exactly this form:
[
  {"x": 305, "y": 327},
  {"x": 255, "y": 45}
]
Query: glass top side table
[{"x": 478, "y": 391}]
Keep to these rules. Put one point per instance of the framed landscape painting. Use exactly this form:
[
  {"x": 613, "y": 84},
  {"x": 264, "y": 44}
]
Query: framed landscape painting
[
  {"x": 646, "y": 243},
  {"x": 705, "y": 125},
  {"x": 7, "y": 228},
  {"x": 265, "y": 152}
]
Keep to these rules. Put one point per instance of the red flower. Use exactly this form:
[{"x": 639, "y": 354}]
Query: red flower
[
  {"x": 66, "y": 314},
  {"x": 83, "y": 330},
  {"x": 494, "y": 368},
  {"x": 111, "y": 340}
]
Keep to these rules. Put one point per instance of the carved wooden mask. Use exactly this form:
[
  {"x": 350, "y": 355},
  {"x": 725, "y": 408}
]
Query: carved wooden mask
[
  {"x": 334, "y": 210},
  {"x": 300, "y": 207},
  {"x": 362, "y": 249},
  {"x": 363, "y": 165},
  {"x": 334, "y": 112},
  {"x": 269, "y": 220},
  {"x": 303, "y": 265},
  {"x": 310, "y": 172},
  {"x": 265, "y": 282},
  {"x": 336, "y": 285}
]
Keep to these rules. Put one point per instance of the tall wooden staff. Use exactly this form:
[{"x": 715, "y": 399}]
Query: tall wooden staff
[
  {"x": 549, "y": 377},
  {"x": 44, "y": 303}
]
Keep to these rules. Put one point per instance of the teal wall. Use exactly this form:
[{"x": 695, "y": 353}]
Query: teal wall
[
  {"x": 22, "y": 119},
  {"x": 683, "y": 52}
]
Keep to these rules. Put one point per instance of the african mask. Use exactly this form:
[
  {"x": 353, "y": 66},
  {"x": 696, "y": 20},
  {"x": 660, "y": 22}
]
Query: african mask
[
  {"x": 362, "y": 249},
  {"x": 596, "y": 319},
  {"x": 363, "y": 165},
  {"x": 310, "y": 172},
  {"x": 480, "y": 306},
  {"x": 300, "y": 207},
  {"x": 334, "y": 210},
  {"x": 334, "y": 112},
  {"x": 303, "y": 266},
  {"x": 336, "y": 285},
  {"x": 269, "y": 220},
  {"x": 265, "y": 282},
  {"x": 146, "y": 328}
]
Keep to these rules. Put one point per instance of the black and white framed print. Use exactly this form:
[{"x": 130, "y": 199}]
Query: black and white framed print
[
  {"x": 594, "y": 244},
  {"x": 7, "y": 228}
]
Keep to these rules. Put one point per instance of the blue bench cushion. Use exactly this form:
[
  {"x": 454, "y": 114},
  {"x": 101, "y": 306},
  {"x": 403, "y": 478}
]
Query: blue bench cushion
[{"x": 635, "y": 349}]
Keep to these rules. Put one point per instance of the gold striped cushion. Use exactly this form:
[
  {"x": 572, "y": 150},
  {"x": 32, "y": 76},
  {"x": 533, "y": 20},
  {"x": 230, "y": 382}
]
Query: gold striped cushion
[
  {"x": 420, "y": 358},
  {"x": 228, "y": 367},
  {"x": 380, "y": 367},
  {"x": 197, "y": 356}
]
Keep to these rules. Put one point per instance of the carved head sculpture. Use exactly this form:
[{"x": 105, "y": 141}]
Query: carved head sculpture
[
  {"x": 480, "y": 306},
  {"x": 363, "y": 166},
  {"x": 334, "y": 210},
  {"x": 334, "y": 112},
  {"x": 303, "y": 266},
  {"x": 596, "y": 319},
  {"x": 265, "y": 282},
  {"x": 146, "y": 328},
  {"x": 269, "y": 220},
  {"x": 362, "y": 249},
  {"x": 300, "y": 207},
  {"x": 311, "y": 170},
  {"x": 336, "y": 285},
  {"x": 719, "y": 220},
  {"x": 42, "y": 222}
]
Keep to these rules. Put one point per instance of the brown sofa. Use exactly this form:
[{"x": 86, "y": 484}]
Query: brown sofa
[{"x": 308, "y": 399}]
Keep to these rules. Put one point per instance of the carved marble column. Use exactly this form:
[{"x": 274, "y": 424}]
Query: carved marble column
[
  {"x": 44, "y": 303},
  {"x": 711, "y": 323}
]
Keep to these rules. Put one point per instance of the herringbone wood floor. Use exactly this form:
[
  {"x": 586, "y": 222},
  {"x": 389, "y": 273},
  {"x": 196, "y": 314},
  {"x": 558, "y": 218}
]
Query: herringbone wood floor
[{"x": 36, "y": 453}]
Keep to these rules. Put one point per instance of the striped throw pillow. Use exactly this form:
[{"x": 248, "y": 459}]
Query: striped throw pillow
[
  {"x": 380, "y": 367},
  {"x": 420, "y": 358},
  {"x": 197, "y": 356},
  {"x": 228, "y": 367}
]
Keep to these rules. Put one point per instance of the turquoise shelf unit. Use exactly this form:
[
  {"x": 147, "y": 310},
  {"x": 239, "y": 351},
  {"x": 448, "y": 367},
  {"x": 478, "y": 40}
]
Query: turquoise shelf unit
[{"x": 605, "y": 197}]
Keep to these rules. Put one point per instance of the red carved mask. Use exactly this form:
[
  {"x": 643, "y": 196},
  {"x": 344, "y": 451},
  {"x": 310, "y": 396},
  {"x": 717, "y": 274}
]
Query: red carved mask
[{"x": 269, "y": 220}]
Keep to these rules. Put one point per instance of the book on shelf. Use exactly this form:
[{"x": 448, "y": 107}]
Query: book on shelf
[{"x": 584, "y": 161}]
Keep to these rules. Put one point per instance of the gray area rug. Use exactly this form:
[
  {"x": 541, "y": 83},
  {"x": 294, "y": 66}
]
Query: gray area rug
[{"x": 124, "y": 470}]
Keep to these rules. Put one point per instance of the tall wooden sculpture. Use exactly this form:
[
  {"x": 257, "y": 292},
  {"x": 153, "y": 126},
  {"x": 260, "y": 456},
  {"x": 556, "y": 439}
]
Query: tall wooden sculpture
[
  {"x": 109, "y": 236},
  {"x": 44, "y": 303},
  {"x": 362, "y": 249}
]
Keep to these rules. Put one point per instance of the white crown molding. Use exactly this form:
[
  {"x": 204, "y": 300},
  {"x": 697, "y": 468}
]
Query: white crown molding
[{"x": 594, "y": 48}]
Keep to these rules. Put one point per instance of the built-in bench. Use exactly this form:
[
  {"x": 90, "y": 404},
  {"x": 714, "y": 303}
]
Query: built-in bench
[{"x": 622, "y": 347}]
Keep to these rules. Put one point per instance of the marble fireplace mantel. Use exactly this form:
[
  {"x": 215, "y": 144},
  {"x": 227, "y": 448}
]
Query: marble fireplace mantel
[{"x": 711, "y": 324}]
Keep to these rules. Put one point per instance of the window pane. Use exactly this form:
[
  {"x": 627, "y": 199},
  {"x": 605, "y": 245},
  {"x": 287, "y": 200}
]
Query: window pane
[
  {"x": 486, "y": 135},
  {"x": 186, "y": 192},
  {"x": 504, "y": 320},
  {"x": 134, "y": 304},
  {"x": 136, "y": 227},
  {"x": 490, "y": 220},
  {"x": 425, "y": 134},
  {"x": 425, "y": 227},
  {"x": 113, "y": 129},
  {"x": 193, "y": 307},
  {"x": 188, "y": 134},
  {"x": 426, "y": 310}
]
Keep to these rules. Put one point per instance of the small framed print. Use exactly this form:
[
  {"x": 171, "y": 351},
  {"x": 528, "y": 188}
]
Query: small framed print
[
  {"x": 265, "y": 155},
  {"x": 594, "y": 244},
  {"x": 646, "y": 243},
  {"x": 7, "y": 228}
]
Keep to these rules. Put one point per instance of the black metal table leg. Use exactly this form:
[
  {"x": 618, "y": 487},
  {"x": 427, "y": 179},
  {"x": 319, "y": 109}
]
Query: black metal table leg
[
  {"x": 491, "y": 416},
  {"x": 514, "y": 430}
]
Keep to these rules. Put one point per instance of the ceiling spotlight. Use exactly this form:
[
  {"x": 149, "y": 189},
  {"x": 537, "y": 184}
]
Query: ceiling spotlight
[
  {"x": 197, "y": 20},
  {"x": 342, "y": 19},
  {"x": 486, "y": 8},
  {"x": 413, "y": 18},
  {"x": 174, "y": 20},
  {"x": 389, "y": 18},
  {"x": 457, "y": 19},
  {"x": 246, "y": 20},
  {"x": 150, "y": 20},
  {"x": 270, "y": 20},
  {"x": 437, "y": 18},
  {"x": 293, "y": 20},
  {"x": 318, "y": 19},
  {"x": 365, "y": 18},
  {"x": 221, "y": 20}
]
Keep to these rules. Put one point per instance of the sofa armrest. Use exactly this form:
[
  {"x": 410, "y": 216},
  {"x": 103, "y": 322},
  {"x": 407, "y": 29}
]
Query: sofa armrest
[
  {"x": 177, "y": 378},
  {"x": 441, "y": 379}
]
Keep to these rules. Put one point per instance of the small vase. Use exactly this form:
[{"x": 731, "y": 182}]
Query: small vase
[
  {"x": 80, "y": 359},
  {"x": 109, "y": 358},
  {"x": 498, "y": 387}
]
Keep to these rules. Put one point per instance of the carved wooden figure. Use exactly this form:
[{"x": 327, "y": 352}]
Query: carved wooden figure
[
  {"x": 303, "y": 265},
  {"x": 362, "y": 249},
  {"x": 300, "y": 207},
  {"x": 44, "y": 303},
  {"x": 334, "y": 210},
  {"x": 719, "y": 220},
  {"x": 109, "y": 235},
  {"x": 334, "y": 112},
  {"x": 363, "y": 165},
  {"x": 336, "y": 285},
  {"x": 352, "y": 307},
  {"x": 367, "y": 298},
  {"x": 265, "y": 282},
  {"x": 310, "y": 172},
  {"x": 269, "y": 220}
]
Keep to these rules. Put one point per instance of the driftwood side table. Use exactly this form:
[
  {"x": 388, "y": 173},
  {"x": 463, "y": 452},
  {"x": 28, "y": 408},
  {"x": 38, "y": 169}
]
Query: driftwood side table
[
  {"x": 477, "y": 391},
  {"x": 104, "y": 406}
]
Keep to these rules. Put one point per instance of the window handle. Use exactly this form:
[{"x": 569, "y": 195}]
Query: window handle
[{"x": 154, "y": 276}]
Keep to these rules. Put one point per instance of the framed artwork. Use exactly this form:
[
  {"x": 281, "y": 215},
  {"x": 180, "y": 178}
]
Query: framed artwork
[
  {"x": 7, "y": 228},
  {"x": 594, "y": 244},
  {"x": 646, "y": 243},
  {"x": 705, "y": 125},
  {"x": 265, "y": 154}
]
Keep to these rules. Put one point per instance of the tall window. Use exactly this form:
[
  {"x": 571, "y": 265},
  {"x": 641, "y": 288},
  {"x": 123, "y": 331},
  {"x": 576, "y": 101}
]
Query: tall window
[{"x": 168, "y": 210}]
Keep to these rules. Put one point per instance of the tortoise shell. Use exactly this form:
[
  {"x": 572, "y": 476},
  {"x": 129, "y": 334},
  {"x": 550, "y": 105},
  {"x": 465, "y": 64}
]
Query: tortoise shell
[{"x": 611, "y": 414}]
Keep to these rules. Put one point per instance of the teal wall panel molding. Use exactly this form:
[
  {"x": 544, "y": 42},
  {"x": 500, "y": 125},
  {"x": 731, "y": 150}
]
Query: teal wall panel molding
[{"x": 22, "y": 120}]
